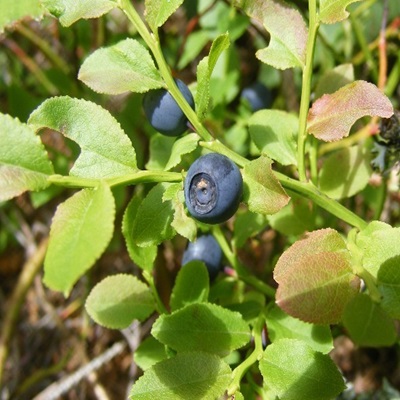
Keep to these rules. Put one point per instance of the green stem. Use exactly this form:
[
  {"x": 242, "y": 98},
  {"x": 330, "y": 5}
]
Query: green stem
[
  {"x": 242, "y": 272},
  {"x": 306, "y": 87},
  {"x": 308, "y": 190},
  {"x": 131, "y": 179},
  {"x": 161, "y": 309},
  {"x": 256, "y": 355},
  {"x": 154, "y": 46}
]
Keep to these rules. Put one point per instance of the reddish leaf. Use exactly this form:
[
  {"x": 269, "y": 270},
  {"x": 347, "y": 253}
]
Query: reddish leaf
[
  {"x": 315, "y": 278},
  {"x": 332, "y": 116}
]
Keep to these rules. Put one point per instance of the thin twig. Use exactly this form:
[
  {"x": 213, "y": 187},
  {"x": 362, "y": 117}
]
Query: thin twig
[
  {"x": 30, "y": 269},
  {"x": 62, "y": 386},
  {"x": 382, "y": 48}
]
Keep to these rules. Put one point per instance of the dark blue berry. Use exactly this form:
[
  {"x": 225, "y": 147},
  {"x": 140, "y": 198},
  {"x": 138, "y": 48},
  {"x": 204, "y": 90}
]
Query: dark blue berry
[
  {"x": 213, "y": 188},
  {"x": 205, "y": 249},
  {"x": 258, "y": 96},
  {"x": 163, "y": 112}
]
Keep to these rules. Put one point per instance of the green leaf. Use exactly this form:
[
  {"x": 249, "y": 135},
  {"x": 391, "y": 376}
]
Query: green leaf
[
  {"x": 12, "y": 11},
  {"x": 152, "y": 224},
  {"x": 367, "y": 324},
  {"x": 184, "y": 145},
  {"x": 157, "y": 13},
  {"x": 78, "y": 236},
  {"x": 144, "y": 257},
  {"x": 315, "y": 278},
  {"x": 70, "y": 11},
  {"x": 118, "y": 300},
  {"x": 378, "y": 243},
  {"x": 282, "y": 326},
  {"x": 331, "y": 116},
  {"x": 183, "y": 224},
  {"x": 332, "y": 11},
  {"x": 294, "y": 371},
  {"x": 334, "y": 79},
  {"x": 194, "y": 44},
  {"x": 149, "y": 352},
  {"x": 204, "y": 72},
  {"x": 247, "y": 225},
  {"x": 122, "y": 67},
  {"x": 285, "y": 24},
  {"x": 202, "y": 327},
  {"x": 192, "y": 285},
  {"x": 346, "y": 172},
  {"x": 191, "y": 375},
  {"x": 295, "y": 218},
  {"x": 160, "y": 151},
  {"x": 106, "y": 150},
  {"x": 24, "y": 164},
  {"x": 274, "y": 132},
  {"x": 389, "y": 286},
  {"x": 262, "y": 191}
]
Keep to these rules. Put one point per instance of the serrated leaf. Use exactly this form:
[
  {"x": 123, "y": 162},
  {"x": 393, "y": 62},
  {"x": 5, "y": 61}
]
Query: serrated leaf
[
  {"x": 262, "y": 191},
  {"x": 70, "y": 11},
  {"x": 294, "y": 371},
  {"x": 122, "y": 67},
  {"x": 192, "y": 285},
  {"x": 367, "y": 324},
  {"x": 285, "y": 24},
  {"x": 332, "y": 11},
  {"x": 152, "y": 224},
  {"x": 24, "y": 164},
  {"x": 331, "y": 116},
  {"x": 144, "y": 257},
  {"x": 282, "y": 326},
  {"x": 12, "y": 11},
  {"x": 157, "y": 13},
  {"x": 189, "y": 375},
  {"x": 202, "y": 327},
  {"x": 78, "y": 236},
  {"x": 149, "y": 352},
  {"x": 184, "y": 145},
  {"x": 274, "y": 132},
  {"x": 345, "y": 172},
  {"x": 204, "y": 72},
  {"x": 118, "y": 300},
  {"x": 106, "y": 150},
  {"x": 160, "y": 151},
  {"x": 315, "y": 278}
]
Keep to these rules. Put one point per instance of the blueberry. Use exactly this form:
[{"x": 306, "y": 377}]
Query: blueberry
[
  {"x": 213, "y": 188},
  {"x": 205, "y": 249},
  {"x": 163, "y": 112},
  {"x": 258, "y": 96}
]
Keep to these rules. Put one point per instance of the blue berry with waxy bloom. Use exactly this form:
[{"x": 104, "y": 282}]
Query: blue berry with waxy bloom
[
  {"x": 258, "y": 96},
  {"x": 164, "y": 113},
  {"x": 213, "y": 188},
  {"x": 205, "y": 248}
]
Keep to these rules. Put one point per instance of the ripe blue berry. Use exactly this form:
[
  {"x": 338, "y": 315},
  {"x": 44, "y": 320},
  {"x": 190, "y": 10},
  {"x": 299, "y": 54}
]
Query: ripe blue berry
[
  {"x": 258, "y": 96},
  {"x": 205, "y": 249},
  {"x": 213, "y": 188},
  {"x": 163, "y": 112}
]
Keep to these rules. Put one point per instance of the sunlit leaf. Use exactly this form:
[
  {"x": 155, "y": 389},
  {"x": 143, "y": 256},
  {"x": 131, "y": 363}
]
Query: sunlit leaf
[
  {"x": 331, "y": 116},
  {"x": 122, "y": 67},
  {"x": 12, "y": 11},
  {"x": 119, "y": 299},
  {"x": 156, "y": 12},
  {"x": 24, "y": 164},
  {"x": 332, "y": 11}
]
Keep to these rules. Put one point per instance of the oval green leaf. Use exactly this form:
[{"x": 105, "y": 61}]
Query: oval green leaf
[
  {"x": 202, "y": 327},
  {"x": 24, "y": 164},
  {"x": 118, "y": 300},
  {"x": 106, "y": 150},
  {"x": 294, "y": 371},
  {"x": 81, "y": 229},
  {"x": 191, "y": 375}
]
